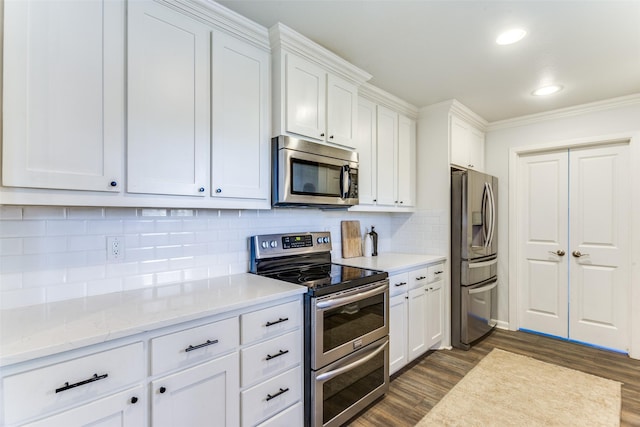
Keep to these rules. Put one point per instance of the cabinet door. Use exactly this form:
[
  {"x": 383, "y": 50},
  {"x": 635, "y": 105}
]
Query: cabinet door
[
  {"x": 476, "y": 149},
  {"x": 459, "y": 142},
  {"x": 306, "y": 98},
  {"x": 207, "y": 394},
  {"x": 64, "y": 94},
  {"x": 168, "y": 101},
  {"x": 435, "y": 308},
  {"x": 406, "y": 161},
  {"x": 398, "y": 312},
  {"x": 240, "y": 114},
  {"x": 417, "y": 322},
  {"x": 387, "y": 129},
  {"x": 342, "y": 111},
  {"x": 124, "y": 409},
  {"x": 367, "y": 153}
]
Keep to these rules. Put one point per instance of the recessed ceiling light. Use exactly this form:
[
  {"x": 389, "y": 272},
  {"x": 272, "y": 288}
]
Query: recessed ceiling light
[
  {"x": 546, "y": 90},
  {"x": 511, "y": 36}
]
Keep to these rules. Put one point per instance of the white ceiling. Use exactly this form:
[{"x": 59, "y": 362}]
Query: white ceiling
[{"x": 430, "y": 51}]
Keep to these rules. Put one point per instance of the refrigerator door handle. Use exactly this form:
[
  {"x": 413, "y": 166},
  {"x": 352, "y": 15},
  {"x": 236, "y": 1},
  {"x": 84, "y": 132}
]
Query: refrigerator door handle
[
  {"x": 485, "y": 220},
  {"x": 492, "y": 215},
  {"x": 483, "y": 263},
  {"x": 484, "y": 288}
]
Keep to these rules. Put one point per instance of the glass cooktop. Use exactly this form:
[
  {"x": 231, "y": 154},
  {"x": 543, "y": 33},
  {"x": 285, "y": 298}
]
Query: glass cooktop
[{"x": 327, "y": 278}]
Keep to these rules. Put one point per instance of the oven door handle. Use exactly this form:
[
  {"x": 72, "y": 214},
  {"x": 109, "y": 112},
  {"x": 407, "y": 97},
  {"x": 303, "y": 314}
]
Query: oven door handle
[
  {"x": 351, "y": 298},
  {"x": 331, "y": 374}
]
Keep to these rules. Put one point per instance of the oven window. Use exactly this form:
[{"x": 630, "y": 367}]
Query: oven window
[
  {"x": 345, "y": 323},
  {"x": 315, "y": 178},
  {"x": 341, "y": 392}
]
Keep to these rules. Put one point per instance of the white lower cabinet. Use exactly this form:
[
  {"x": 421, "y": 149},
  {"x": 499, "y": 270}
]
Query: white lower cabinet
[
  {"x": 124, "y": 409},
  {"x": 271, "y": 364},
  {"x": 203, "y": 395},
  {"x": 416, "y": 313},
  {"x": 238, "y": 368}
]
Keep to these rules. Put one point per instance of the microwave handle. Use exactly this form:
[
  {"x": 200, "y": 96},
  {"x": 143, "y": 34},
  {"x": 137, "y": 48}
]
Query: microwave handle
[{"x": 345, "y": 181}]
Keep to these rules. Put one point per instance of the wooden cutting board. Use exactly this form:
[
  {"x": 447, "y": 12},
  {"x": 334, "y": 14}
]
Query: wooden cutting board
[{"x": 351, "y": 239}]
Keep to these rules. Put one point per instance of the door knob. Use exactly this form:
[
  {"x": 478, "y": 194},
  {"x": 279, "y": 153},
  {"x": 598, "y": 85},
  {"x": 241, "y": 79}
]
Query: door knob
[
  {"x": 578, "y": 254},
  {"x": 559, "y": 252}
]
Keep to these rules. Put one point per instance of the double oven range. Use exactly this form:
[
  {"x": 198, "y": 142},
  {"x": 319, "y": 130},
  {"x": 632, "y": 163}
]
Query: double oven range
[{"x": 346, "y": 326}]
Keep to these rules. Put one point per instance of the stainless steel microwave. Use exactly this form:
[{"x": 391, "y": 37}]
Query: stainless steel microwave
[{"x": 306, "y": 173}]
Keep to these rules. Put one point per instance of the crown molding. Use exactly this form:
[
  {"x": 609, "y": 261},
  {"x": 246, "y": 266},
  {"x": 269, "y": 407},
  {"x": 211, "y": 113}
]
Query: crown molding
[
  {"x": 283, "y": 37},
  {"x": 382, "y": 97},
  {"x": 577, "y": 110},
  {"x": 467, "y": 115},
  {"x": 218, "y": 16}
]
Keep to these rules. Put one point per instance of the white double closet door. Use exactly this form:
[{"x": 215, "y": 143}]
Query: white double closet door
[{"x": 574, "y": 243}]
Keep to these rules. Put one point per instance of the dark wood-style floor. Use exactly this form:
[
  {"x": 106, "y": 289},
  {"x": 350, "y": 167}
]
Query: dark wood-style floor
[{"x": 418, "y": 387}]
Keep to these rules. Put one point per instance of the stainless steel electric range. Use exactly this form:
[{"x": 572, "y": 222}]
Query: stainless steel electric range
[{"x": 346, "y": 323}]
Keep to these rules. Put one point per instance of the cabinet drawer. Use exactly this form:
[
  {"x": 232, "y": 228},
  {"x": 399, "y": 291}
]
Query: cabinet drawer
[
  {"x": 261, "y": 360},
  {"x": 435, "y": 272},
  {"x": 45, "y": 390},
  {"x": 270, "y": 397},
  {"x": 287, "y": 418},
  {"x": 418, "y": 277},
  {"x": 398, "y": 284},
  {"x": 270, "y": 321},
  {"x": 193, "y": 345}
]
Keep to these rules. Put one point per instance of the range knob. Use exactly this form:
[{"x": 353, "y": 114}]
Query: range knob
[
  {"x": 325, "y": 239},
  {"x": 274, "y": 244},
  {"x": 264, "y": 244},
  {"x": 320, "y": 240}
]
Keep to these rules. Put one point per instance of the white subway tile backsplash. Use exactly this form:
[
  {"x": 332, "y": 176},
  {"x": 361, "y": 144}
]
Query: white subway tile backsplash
[
  {"x": 35, "y": 279},
  {"x": 105, "y": 286},
  {"x": 10, "y": 212},
  {"x": 137, "y": 282},
  {"x": 44, "y": 212},
  {"x": 85, "y": 213},
  {"x": 57, "y": 253},
  {"x": 66, "y": 291},
  {"x": 11, "y": 246},
  {"x": 10, "y": 282},
  {"x": 66, "y": 228},
  {"x": 44, "y": 245},
  {"x": 18, "y": 228}
]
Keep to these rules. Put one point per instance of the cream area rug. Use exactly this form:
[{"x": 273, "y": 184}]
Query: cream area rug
[{"x": 506, "y": 389}]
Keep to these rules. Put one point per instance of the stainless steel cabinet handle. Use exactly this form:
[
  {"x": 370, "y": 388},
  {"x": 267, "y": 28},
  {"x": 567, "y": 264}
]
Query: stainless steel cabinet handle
[
  {"x": 559, "y": 252},
  {"x": 578, "y": 254},
  {"x": 328, "y": 375},
  {"x": 351, "y": 298}
]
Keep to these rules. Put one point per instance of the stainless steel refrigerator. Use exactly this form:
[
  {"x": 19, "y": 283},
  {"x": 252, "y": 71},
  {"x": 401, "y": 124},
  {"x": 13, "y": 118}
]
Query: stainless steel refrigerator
[{"x": 474, "y": 256}]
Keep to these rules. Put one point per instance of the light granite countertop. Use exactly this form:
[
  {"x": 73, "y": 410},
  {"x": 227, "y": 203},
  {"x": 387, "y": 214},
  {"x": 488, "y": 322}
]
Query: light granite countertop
[
  {"x": 391, "y": 262},
  {"x": 30, "y": 332}
]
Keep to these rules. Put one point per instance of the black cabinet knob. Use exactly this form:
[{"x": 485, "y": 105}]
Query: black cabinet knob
[
  {"x": 134, "y": 400},
  {"x": 331, "y": 137},
  {"x": 322, "y": 134},
  {"x": 375, "y": 200},
  {"x": 218, "y": 190},
  {"x": 163, "y": 389},
  {"x": 113, "y": 184},
  {"x": 201, "y": 189}
]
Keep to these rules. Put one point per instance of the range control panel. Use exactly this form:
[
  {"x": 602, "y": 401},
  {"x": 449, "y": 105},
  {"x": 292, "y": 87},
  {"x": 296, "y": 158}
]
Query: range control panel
[{"x": 270, "y": 245}]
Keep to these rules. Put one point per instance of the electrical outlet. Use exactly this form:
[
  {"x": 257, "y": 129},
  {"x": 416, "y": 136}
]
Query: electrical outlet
[{"x": 115, "y": 248}]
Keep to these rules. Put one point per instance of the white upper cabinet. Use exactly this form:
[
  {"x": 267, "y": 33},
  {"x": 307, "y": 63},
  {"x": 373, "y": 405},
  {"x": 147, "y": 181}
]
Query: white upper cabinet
[
  {"x": 367, "y": 152},
  {"x": 319, "y": 105},
  {"x": 305, "y": 89},
  {"x": 315, "y": 92},
  {"x": 387, "y": 128},
  {"x": 64, "y": 94},
  {"x": 406, "y": 161},
  {"x": 168, "y": 101},
  {"x": 467, "y": 144},
  {"x": 240, "y": 119},
  {"x": 386, "y": 145},
  {"x": 342, "y": 111}
]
